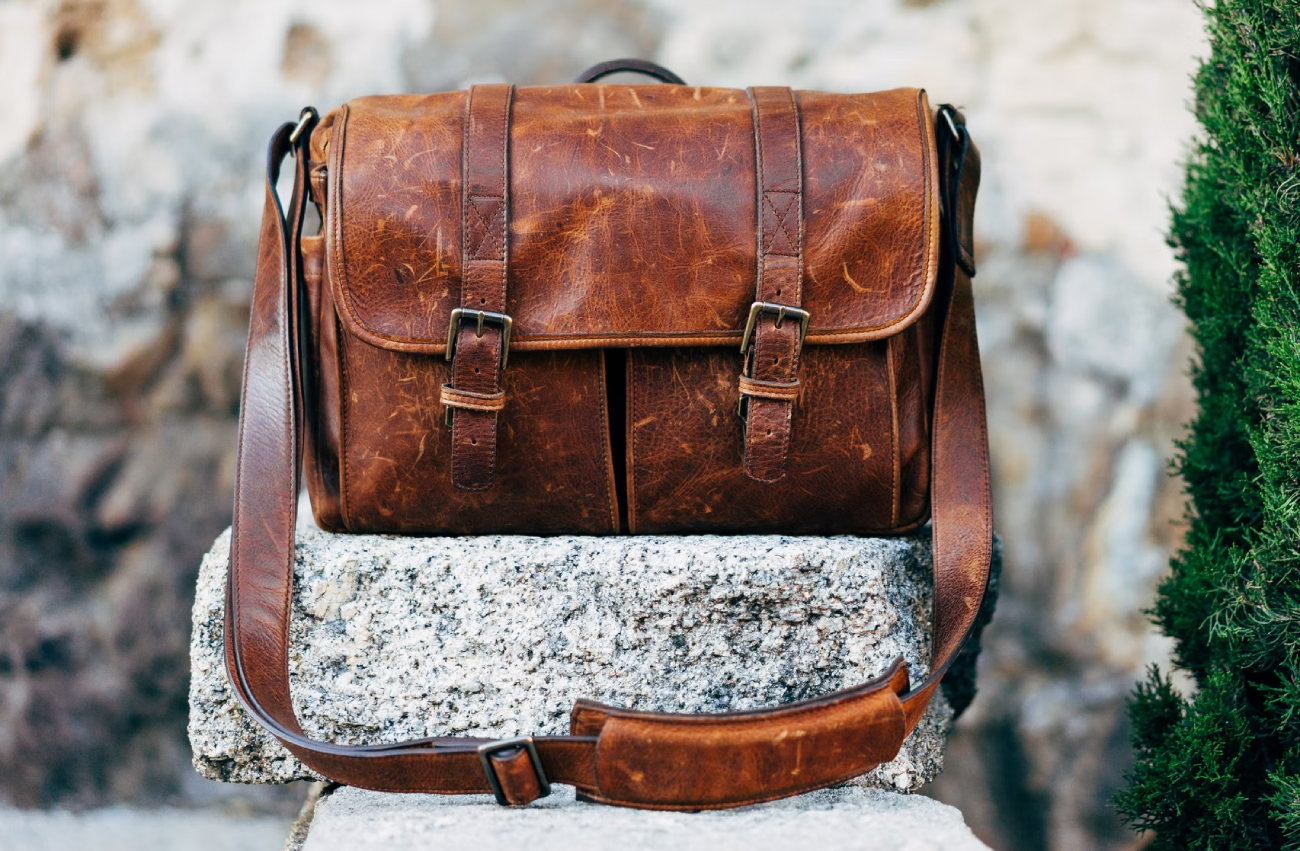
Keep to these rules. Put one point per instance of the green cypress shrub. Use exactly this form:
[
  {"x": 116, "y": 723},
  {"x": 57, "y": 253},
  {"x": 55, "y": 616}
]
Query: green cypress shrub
[{"x": 1222, "y": 771}]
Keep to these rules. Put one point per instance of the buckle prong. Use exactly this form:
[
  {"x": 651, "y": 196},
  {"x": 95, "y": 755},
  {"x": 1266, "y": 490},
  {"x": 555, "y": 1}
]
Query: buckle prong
[{"x": 485, "y": 752}]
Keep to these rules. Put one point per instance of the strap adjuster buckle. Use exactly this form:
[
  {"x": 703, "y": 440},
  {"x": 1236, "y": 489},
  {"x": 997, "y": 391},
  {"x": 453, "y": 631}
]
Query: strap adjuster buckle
[
  {"x": 481, "y": 317},
  {"x": 781, "y": 311},
  {"x": 485, "y": 752}
]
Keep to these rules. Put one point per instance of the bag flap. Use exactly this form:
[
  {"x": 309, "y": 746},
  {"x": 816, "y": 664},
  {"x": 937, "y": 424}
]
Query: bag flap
[{"x": 632, "y": 215}]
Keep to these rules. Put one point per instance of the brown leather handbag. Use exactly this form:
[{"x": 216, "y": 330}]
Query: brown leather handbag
[{"x": 617, "y": 309}]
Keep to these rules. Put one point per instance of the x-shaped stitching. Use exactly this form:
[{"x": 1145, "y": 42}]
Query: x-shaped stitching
[
  {"x": 781, "y": 215},
  {"x": 487, "y": 224}
]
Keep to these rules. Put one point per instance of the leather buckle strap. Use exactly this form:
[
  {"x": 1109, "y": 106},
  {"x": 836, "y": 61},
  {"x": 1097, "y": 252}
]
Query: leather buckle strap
[
  {"x": 514, "y": 783},
  {"x": 771, "y": 352},
  {"x": 478, "y": 356}
]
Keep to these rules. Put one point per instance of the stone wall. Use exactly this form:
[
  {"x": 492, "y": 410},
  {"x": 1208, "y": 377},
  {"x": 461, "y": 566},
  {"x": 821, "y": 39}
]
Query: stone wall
[{"x": 130, "y": 154}]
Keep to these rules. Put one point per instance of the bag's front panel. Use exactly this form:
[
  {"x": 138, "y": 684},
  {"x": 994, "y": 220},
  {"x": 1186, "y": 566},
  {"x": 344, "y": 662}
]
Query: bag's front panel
[
  {"x": 554, "y": 471},
  {"x": 685, "y": 442}
]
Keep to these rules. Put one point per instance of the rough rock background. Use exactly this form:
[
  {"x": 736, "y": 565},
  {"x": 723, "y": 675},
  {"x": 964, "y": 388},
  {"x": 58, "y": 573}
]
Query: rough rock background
[
  {"x": 404, "y": 638},
  {"x": 130, "y": 152}
]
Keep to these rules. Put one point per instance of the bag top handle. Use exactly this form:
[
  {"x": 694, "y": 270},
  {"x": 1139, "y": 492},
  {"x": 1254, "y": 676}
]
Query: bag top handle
[{"x": 634, "y": 66}]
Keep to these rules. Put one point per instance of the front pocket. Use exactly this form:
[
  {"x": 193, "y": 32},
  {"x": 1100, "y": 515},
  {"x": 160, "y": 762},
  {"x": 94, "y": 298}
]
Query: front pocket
[
  {"x": 686, "y": 446},
  {"x": 554, "y": 469}
]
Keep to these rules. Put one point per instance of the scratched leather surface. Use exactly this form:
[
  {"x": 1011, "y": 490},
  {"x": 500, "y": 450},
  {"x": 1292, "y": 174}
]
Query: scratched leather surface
[
  {"x": 554, "y": 472},
  {"x": 846, "y": 464},
  {"x": 632, "y": 217}
]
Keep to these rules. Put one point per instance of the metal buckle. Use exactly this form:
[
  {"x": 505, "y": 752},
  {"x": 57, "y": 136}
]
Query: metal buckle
[
  {"x": 781, "y": 311},
  {"x": 486, "y": 750},
  {"x": 483, "y": 316}
]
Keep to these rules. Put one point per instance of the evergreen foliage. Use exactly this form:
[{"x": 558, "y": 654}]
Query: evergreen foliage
[{"x": 1222, "y": 771}]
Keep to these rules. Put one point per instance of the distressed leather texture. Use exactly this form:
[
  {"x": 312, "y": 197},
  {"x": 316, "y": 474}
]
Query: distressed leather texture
[
  {"x": 605, "y": 246},
  {"x": 632, "y": 215}
]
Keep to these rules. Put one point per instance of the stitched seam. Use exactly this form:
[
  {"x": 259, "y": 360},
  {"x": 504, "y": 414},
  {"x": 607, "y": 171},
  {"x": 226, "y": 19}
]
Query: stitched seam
[
  {"x": 632, "y": 461},
  {"x": 464, "y": 197},
  {"x": 603, "y": 391},
  {"x": 930, "y": 243},
  {"x": 781, "y": 224},
  {"x": 798, "y": 165},
  {"x": 476, "y": 251},
  {"x": 336, "y": 210},
  {"x": 867, "y": 692},
  {"x": 345, "y": 480},
  {"x": 544, "y": 342},
  {"x": 457, "y": 426},
  {"x": 505, "y": 188},
  {"x": 490, "y": 452},
  {"x": 893, "y": 410},
  {"x": 758, "y": 164},
  {"x": 291, "y": 495}
]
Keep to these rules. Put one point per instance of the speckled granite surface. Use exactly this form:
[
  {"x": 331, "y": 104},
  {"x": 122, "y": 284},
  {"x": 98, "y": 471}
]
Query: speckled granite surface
[{"x": 399, "y": 637}]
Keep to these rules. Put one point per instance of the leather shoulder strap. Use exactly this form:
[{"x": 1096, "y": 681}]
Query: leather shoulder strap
[
  {"x": 618, "y": 756},
  {"x": 479, "y": 335},
  {"x": 769, "y": 384}
]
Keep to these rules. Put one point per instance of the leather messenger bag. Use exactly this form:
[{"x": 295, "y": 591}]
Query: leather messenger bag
[{"x": 617, "y": 309}]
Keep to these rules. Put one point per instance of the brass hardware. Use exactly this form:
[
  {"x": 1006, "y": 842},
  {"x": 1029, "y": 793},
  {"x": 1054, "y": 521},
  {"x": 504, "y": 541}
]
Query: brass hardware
[
  {"x": 482, "y": 317},
  {"x": 781, "y": 311}
]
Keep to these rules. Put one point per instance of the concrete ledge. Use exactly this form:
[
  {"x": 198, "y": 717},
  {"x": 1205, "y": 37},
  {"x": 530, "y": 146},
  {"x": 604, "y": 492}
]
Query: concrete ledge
[{"x": 841, "y": 819}]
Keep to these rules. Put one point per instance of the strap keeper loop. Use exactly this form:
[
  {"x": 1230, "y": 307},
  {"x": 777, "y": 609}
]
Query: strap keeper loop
[
  {"x": 780, "y": 391},
  {"x": 486, "y": 403},
  {"x": 525, "y": 743}
]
